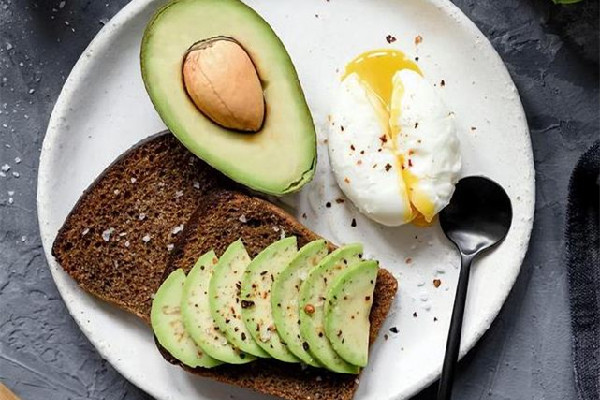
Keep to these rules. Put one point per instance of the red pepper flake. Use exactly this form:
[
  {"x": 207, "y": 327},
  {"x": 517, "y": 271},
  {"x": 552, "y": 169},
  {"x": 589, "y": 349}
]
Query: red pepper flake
[
  {"x": 379, "y": 150},
  {"x": 416, "y": 125},
  {"x": 362, "y": 152},
  {"x": 328, "y": 204},
  {"x": 309, "y": 309},
  {"x": 388, "y": 166},
  {"x": 325, "y": 141},
  {"x": 418, "y": 39},
  {"x": 390, "y": 38},
  {"x": 473, "y": 128},
  {"x": 339, "y": 200},
  {"x": 353, "y": 223},
  {"x": 359, "y": 162},
  {"x": 304, "y": 215},
  {"x": 437, "y": 283},
  {"x": 408, "y": 260},
  {"x": 411, "y": 152},
  {"x": 410, "y": 164},
  {"x": 352, "y": 147},
  {"x": 383, "y": 138},
  {"x": 342, "y": 128},
  {"x": 442, "y": 83},
  {"x": 346, "y": 180}
]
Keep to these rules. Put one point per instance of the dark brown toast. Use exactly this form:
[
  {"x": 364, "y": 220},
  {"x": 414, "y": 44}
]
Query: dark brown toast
[
  {"x": 174, "y": 188},
  {"x": 116, "y": 240},
  {"x": 259, "y": 223}
]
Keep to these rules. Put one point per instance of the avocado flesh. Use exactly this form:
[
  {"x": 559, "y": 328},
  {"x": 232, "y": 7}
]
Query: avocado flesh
[
  {"x": 278, "y": 159},
  {"x": 225, "y": 302},
  {"x": 347, "y": 310},
  {"x": 313, "y": 294},
  {"x": 167, "y": 324},
  {"x": 285, "y": 298},
  {"x": 256, "y": 297},
  {"x": 197, "y": 318}
]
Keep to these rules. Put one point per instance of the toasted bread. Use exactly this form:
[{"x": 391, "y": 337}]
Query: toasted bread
[
  {"x": 174, "y": 189},
  {"x": 259, "y": 223},
  {"x": 116, "y": 241}
]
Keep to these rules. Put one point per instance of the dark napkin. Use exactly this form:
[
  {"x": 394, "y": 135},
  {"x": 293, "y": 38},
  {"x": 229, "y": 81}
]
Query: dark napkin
[{"x": 583, "y": 269}]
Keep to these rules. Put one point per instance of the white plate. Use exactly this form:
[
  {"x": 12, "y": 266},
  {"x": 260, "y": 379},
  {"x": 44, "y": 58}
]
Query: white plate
[{"x": 103, "y": 110}]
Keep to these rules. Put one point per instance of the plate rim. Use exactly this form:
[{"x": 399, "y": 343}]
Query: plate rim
[{"x": 103, "y": 39}]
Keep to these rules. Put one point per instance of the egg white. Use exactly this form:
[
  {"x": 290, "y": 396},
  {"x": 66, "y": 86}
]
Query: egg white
[{"x": 394, "y": 165}]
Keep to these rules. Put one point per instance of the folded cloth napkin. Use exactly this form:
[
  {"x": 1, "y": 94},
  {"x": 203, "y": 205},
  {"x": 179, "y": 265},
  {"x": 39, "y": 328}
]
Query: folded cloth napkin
[{"x": 583, "y": 269}]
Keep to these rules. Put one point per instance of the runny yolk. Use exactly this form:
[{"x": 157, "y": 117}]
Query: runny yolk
[{"x": 377, "y": 69}]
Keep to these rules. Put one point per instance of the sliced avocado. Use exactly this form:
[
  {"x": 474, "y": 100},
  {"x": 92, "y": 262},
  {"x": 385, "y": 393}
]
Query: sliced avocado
[
  {"x": 285, "y": 298},
  {"x": 313, "y": 294},
  {"x": 225, "y": 303},
  {"x": 287, "y": 136},
  {"x": 256, "y": 296},
  {"x": 349, "y": 301},
  {"x": 197, "y": 318},
  {"x": 167, "y": 324}
]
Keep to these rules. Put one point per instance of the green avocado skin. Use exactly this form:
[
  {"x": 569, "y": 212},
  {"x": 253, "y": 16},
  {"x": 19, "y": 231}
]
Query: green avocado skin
[
  {"x": 349, "y": 301},
  {"x": 278, "y": 159}
]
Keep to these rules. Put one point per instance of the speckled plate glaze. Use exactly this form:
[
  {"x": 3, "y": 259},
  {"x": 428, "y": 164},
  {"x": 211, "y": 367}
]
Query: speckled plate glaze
[{"x": 103, "y": 110}]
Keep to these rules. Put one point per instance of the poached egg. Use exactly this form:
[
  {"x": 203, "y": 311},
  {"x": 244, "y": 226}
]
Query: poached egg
[{"x": 392, "y": 141}]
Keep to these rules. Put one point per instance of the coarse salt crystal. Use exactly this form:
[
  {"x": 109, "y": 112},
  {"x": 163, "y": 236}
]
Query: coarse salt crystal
[
  {"x": 282, "y": 236},
  {"x": 276, "y": 228},
  {"x": 196, "y": 184},
  {"x": 178, "y": 194},
  {"x": 85, "y": 231},
  {"x": 177, "y": 229},
  {"x": 10, "y": 200},
  {"x": 11, "y": 192},
  {"x": 133, "y": 180},
  {"x": 127, "y": 243},
  {"x": 243, "y": 219},
  {"x": 106, "y": 234},
  {"x": 5, "y": 168},
  {"x": 16, "y": 174},
  {"x": 18, "y": 160},
  {"x": 146, "y": 238},
  {"x": 116, "y": 191},
  {"x": 142, "y": 216},
  {"x": 2, "y": 174},
  {"x": 170, "y": 247},
  {"x": 122, "y": 234}
]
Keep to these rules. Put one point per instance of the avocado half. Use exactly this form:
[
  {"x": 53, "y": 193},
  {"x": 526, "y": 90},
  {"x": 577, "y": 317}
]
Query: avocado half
[{"x": 281, "y": 156}]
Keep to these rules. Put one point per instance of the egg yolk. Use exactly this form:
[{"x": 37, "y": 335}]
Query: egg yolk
[{"x": 377, "y": 68}]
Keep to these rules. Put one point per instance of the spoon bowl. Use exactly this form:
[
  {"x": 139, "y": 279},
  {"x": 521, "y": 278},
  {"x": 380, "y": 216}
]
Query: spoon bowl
[{"x": 478, "y": 217}]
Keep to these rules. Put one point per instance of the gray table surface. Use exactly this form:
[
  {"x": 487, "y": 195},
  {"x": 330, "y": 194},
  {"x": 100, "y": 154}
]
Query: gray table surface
[{"x": 525, "y": 355}]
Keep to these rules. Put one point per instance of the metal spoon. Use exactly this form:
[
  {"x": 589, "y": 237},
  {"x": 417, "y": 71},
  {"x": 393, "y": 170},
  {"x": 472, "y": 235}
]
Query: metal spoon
[{"x": 478, "y": 217}]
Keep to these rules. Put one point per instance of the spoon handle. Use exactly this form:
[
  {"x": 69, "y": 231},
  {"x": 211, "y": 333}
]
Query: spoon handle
[{"x": 454, "y": 333}]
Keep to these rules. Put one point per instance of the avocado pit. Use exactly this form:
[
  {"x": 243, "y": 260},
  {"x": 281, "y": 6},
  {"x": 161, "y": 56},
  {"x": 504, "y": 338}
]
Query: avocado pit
[{"x": 221, "y": 79}]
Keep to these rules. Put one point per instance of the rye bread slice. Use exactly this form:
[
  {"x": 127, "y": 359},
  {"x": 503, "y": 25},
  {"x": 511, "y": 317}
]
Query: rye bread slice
[
  {"x": 116, "y": 240},
  {"x": 226, "y": 216}
]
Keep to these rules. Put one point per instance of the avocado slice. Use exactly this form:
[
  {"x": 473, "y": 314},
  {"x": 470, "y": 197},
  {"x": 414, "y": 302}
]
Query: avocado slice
[
  {"x": 313, "y": 294},
  {"x": 349, "y": 301},
  {"x": 167, "y": 324},
  {"x": 197, "y": 318},
  {"x": 287, "y": 137},
  {"x": 225, "y": 303},
  {"x": 285, "y": 298},
  {"x": 256, "y": 296}
]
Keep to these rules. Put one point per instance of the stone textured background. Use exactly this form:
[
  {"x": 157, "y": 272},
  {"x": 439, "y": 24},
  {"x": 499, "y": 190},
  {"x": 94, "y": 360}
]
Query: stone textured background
[{"x": 526, "y": 353}]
